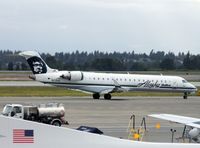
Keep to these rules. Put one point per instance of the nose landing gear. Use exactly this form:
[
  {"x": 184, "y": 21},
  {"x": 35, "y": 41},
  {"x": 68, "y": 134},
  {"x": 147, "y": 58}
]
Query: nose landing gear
[{"x": 185, "y": 96}]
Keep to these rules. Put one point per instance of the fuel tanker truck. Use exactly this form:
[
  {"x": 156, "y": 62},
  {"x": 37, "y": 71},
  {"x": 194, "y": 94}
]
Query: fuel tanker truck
[{"x": 52, "y": 113}]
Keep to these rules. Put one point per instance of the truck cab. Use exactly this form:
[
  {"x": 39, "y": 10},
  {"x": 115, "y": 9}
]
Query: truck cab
[{"x": 13, "y": 110}]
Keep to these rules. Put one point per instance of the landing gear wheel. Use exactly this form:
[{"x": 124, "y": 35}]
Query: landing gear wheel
[
  {"x": 185, "y": 95},
  {"x": 96, "y": 96},
  {"x": 107, "y": 96},
  {"x": 56, "y": 123}
]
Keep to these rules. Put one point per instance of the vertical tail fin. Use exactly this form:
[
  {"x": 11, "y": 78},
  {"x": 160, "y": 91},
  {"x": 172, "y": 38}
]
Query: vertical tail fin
[{"x": 36, "y": 63}]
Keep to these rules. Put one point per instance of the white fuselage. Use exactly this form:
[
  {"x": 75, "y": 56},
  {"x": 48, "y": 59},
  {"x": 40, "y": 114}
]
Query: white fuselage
[{"x": 103, "y": 83}]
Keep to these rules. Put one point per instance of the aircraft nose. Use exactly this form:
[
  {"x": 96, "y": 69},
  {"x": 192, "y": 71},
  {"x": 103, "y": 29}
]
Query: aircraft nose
[{"x": 193, "y": 87}]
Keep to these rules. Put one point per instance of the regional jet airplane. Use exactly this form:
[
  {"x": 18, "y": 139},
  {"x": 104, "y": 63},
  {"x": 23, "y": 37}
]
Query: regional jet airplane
[
  {"x": 104, "y": 83},
  {"x": 17, "y": 133}
]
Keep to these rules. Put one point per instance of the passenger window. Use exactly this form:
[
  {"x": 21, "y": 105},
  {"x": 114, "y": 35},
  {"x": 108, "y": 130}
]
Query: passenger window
[{"x": 17, "y": 109}]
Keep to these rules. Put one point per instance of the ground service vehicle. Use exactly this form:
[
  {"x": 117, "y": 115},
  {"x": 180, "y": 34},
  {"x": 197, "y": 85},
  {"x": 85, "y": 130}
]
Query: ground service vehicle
[{"x": 52, "y": 113}]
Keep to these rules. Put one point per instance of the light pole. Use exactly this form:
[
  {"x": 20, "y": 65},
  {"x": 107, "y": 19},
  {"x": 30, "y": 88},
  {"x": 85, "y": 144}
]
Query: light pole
[{"x": 173, "y": 131}]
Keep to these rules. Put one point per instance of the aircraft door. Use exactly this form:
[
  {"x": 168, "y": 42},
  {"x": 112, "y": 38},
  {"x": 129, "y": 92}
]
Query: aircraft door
[{"x": 174, "y": 84}]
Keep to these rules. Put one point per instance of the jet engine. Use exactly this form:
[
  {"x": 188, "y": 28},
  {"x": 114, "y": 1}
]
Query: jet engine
[
  {"x": 195, "y": 134},
  {"x": 73, "y": 76}
]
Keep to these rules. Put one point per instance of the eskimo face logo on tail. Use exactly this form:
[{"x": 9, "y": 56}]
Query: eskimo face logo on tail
[{"x": 37, "y": 65}]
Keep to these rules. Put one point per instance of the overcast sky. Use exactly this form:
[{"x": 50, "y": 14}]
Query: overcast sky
[{"x": 105, "y": 25}]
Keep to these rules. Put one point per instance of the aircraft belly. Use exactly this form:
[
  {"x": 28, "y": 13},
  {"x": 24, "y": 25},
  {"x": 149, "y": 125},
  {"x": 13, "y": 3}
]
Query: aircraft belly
[{"x": 87, "y": 88}]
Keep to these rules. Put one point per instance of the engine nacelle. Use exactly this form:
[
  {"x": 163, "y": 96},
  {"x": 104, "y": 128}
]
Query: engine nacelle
[
  {"x": 73, "y": 76},
  {"x": 195, "y": 134}
]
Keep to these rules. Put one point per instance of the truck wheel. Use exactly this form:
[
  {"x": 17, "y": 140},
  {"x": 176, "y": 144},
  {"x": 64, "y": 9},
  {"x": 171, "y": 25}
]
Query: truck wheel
[{"x": 56, "y": 123}]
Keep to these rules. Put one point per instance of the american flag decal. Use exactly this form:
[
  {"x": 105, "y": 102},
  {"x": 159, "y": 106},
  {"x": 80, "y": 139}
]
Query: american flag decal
[{"x": 23, "y": 136}]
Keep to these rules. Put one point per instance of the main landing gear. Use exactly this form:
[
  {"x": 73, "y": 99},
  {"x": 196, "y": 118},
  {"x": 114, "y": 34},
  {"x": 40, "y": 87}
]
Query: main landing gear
[
  {"x": 106, "y": 96},
  {"x": 185, "y": 95},
  {"x": 96, "y": 96}
]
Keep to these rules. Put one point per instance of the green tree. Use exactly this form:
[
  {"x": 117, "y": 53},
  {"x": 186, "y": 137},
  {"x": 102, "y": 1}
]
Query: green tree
[
  {"x": 10, "y": 66},
  {"x": 24, "y": 66},
  {"x": 107, "y": 64},
  {"x": 187, "y": 61},
  {"x": 167, "y": 64},
  {"x": 138, "y": 66}
]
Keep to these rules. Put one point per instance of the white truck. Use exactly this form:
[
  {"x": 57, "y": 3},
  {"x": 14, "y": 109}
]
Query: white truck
[{"x": 52, "y": 113}]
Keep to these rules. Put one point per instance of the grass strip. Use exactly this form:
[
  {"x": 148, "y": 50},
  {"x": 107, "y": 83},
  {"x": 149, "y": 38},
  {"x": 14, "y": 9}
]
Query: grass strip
[{"x": 16, "y": 91}]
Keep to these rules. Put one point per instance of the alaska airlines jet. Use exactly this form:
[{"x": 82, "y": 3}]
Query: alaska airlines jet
[{"x": 104, "y": 83}]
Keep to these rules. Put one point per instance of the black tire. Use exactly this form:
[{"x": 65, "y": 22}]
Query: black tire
[
  {"x": 107, "y": 96},
  {"x": 56, "y": 123},
  {"x": 185, "y": 96},
  {"x": 96, "y": 96}
]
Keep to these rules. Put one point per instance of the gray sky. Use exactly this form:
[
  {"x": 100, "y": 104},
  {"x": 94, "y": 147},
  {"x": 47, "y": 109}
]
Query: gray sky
[{"x": 106, "y": 25}]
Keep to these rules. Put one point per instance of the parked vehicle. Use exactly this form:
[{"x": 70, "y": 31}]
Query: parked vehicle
[{"x": 52, "y": 113}]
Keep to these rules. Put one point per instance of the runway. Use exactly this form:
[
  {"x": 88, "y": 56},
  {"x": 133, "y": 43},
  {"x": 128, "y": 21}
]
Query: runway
[{"x": 112, "y": 117}]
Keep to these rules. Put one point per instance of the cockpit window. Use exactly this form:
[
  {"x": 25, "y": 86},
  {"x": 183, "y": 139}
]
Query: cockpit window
[{"x": 184, "y": 81}]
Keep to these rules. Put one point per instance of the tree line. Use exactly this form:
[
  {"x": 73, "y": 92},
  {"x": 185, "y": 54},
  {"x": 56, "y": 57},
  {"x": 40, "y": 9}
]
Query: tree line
[{"x": 104, "y": 61}]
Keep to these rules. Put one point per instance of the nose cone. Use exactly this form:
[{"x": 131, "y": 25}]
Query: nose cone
[{"x": 193, "y": 87}]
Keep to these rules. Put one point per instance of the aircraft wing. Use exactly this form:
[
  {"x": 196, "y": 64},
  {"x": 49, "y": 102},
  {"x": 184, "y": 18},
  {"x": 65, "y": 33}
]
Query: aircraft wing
[
  {"x": 189, "y": 121},
  {"x": 116, "y": 88}
]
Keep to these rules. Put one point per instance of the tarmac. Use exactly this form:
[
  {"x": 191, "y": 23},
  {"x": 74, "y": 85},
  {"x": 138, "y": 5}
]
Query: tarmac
[{"x": 113, "y": 116}]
